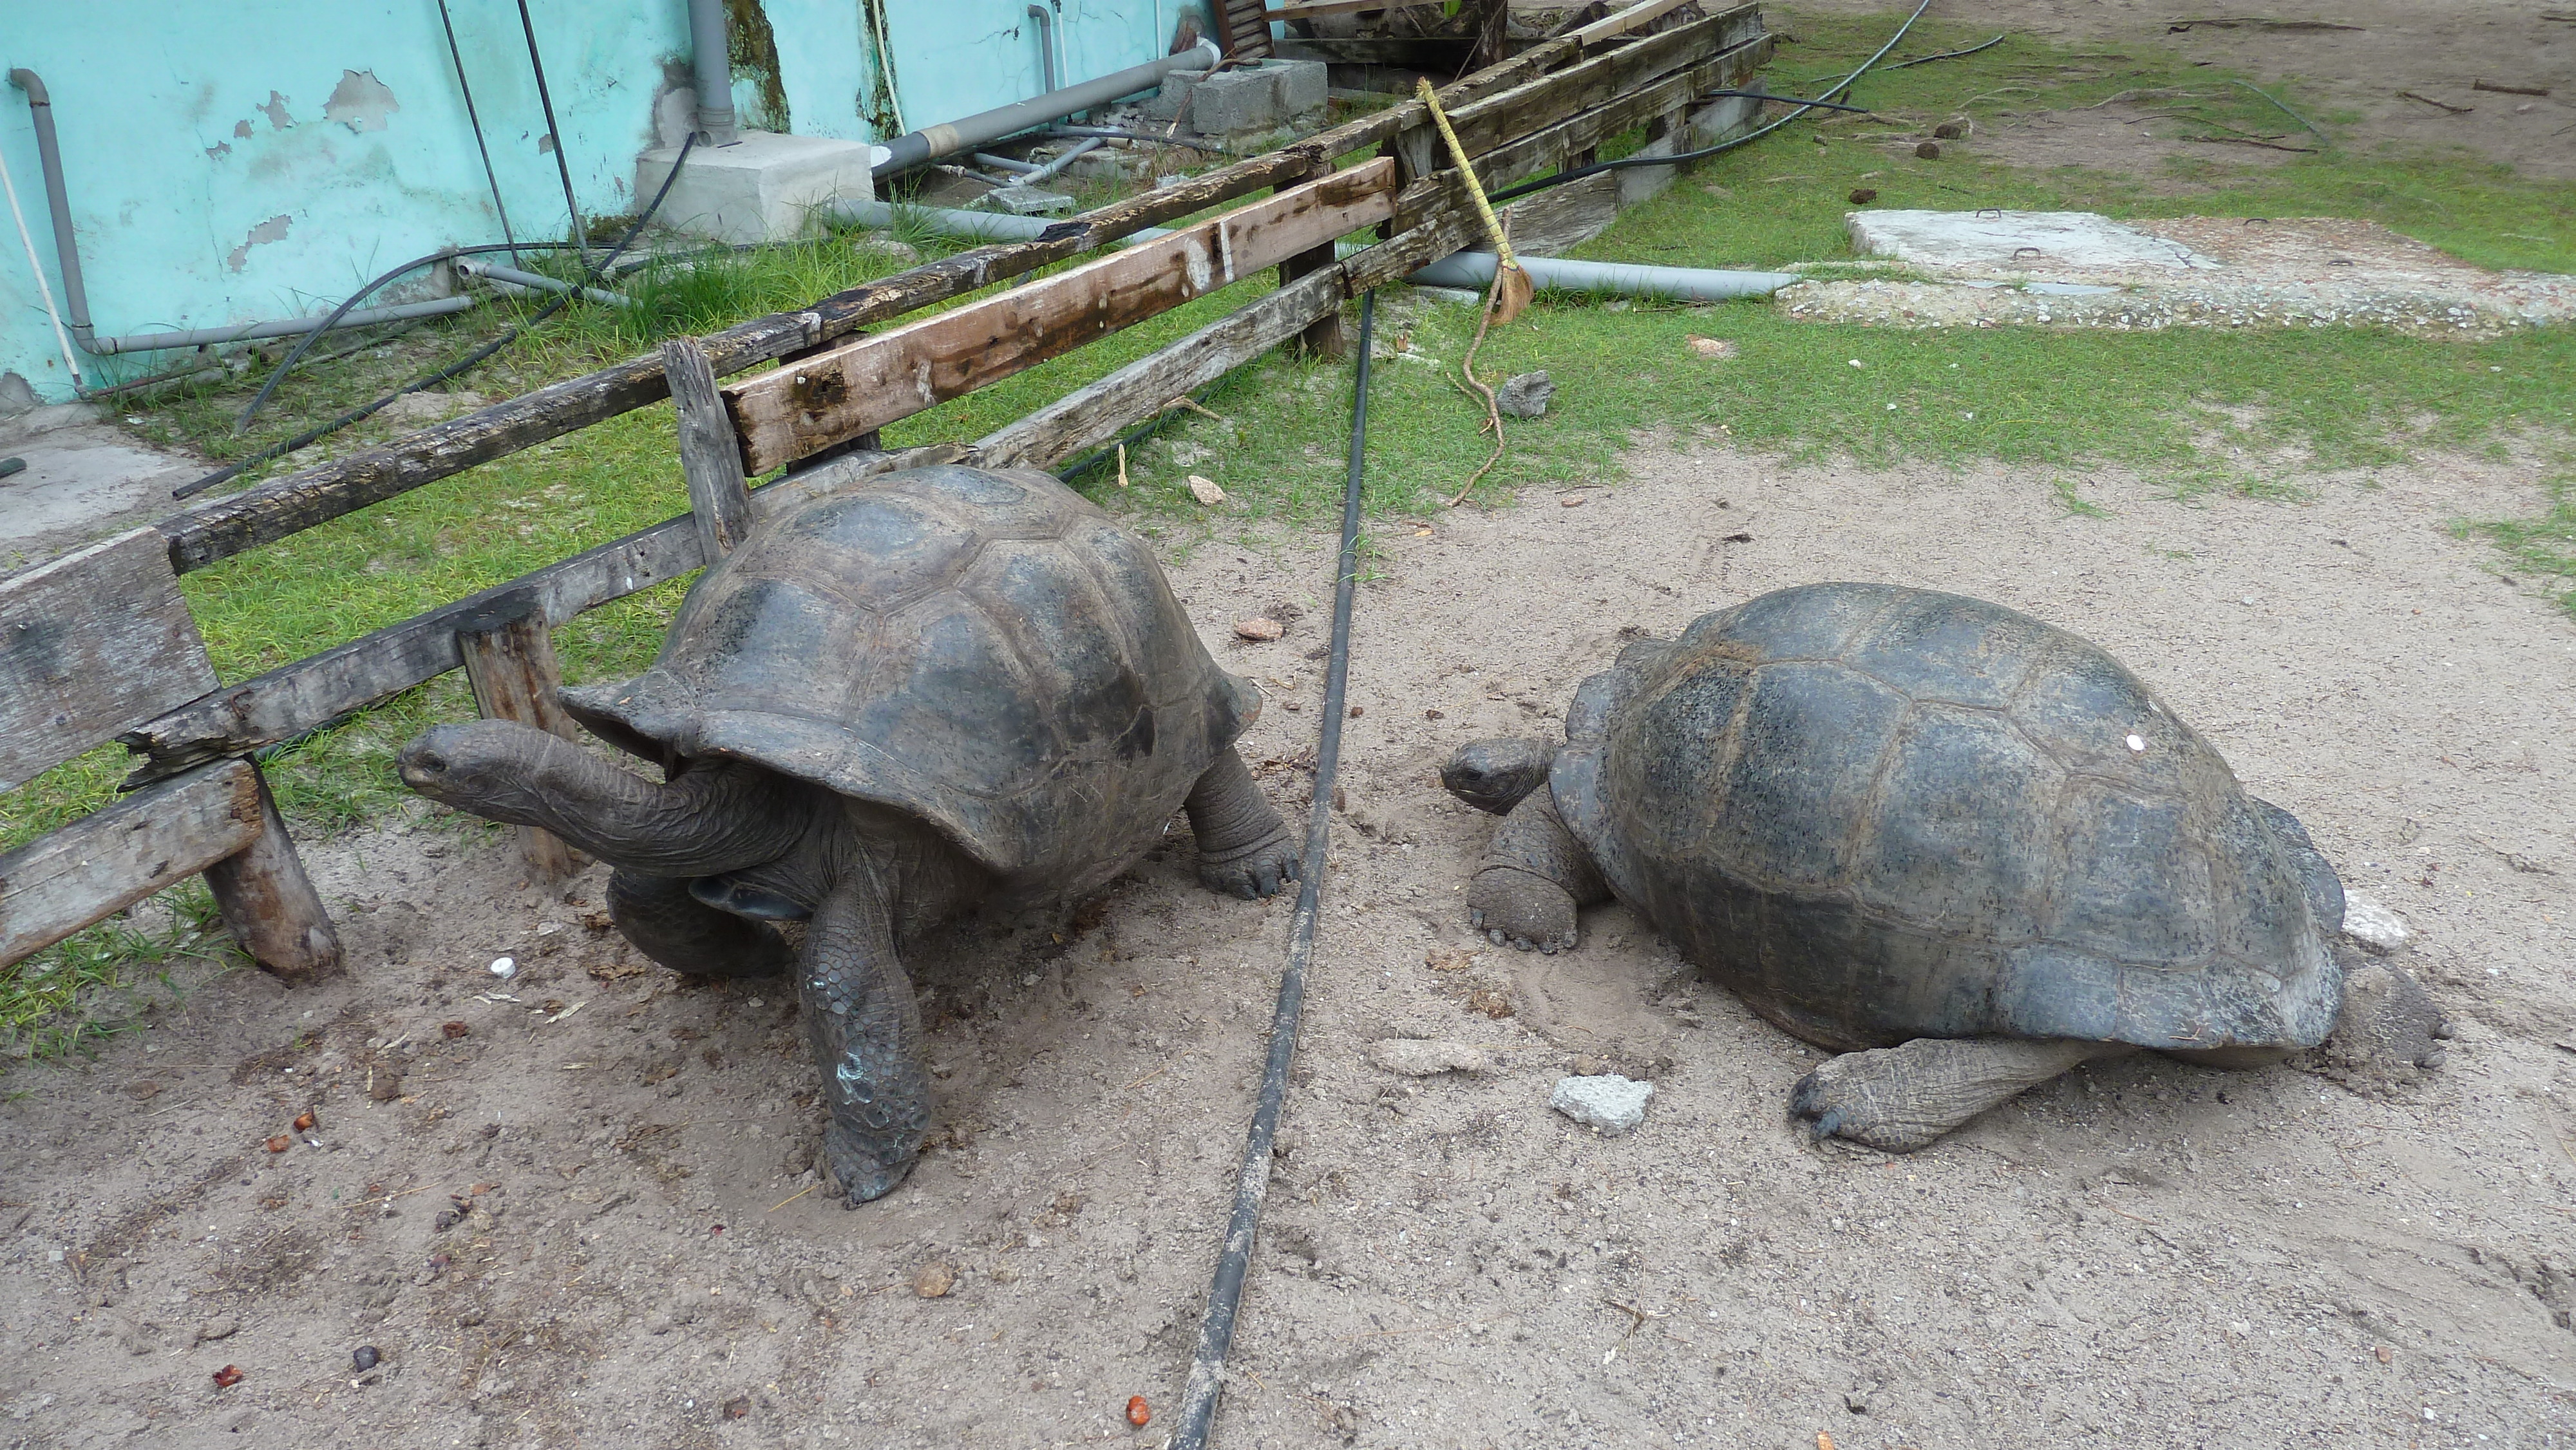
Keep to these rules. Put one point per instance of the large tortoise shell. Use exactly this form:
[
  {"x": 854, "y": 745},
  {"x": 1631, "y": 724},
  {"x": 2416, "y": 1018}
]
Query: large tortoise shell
[{"x": 1882, "y": 813}]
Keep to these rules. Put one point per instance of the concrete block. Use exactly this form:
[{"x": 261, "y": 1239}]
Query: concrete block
[
  {"x": 1303, "y": 85},
  {"x": 1027, "y": 201},
  {"x": 1608, "y": 1102},
  {"x": 1176, "y": 89},
  {"x": 1234, "y": 101},
  {"x": 763, "y": 188},
  {"x": 2016, "y": 238}
]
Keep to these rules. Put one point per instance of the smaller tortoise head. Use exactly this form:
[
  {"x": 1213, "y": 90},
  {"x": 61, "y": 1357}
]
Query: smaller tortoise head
[
  {"x": 484, "y": 766},
  {"x": 1495, "y": 775}
]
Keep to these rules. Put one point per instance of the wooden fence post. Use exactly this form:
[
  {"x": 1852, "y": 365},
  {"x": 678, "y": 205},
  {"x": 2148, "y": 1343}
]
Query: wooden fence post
[
  {"x": 1324, "y": 339},
  {"x": 710, "y": 453},
  {"x": 269, "y": 904},
  {"x": 509, "y": 656}
]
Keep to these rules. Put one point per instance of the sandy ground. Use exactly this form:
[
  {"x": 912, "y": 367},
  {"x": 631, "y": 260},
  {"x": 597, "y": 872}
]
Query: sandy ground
[{"x": 578, "y": 1221}]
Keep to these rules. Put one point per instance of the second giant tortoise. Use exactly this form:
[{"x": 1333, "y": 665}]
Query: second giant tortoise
[
  {"x": 1962, "y": 848},
  {"x": 946, "y": 687}
]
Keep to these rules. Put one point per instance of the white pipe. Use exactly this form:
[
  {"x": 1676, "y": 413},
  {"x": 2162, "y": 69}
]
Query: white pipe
[{"x": 494, "y": 271}]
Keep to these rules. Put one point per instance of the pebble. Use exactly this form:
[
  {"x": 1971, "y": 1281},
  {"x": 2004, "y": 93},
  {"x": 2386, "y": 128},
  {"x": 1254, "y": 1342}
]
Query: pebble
[
  {"x": 1525, "y": 396},
  {"x": 1258, "y": 628},
  {"x": 504, "y": 968},
  {"x": 2373, "y": 925},
  {"x": 935, "y": 1280},
  {"x": 214, "y": 1329},
  {"x": 1929, "y": 150},
  {"x": 365, "y": 1357},
  {"x": 1608, "y": 1102},
  {"x": 1427, "y": 1057},
  {"x": 1206, "y": 491},
  {"x": 1863, "y": 195}
]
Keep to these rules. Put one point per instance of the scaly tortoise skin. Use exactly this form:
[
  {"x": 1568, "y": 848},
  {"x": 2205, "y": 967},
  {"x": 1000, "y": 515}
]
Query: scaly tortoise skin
[{"x": 942, "y": 688}]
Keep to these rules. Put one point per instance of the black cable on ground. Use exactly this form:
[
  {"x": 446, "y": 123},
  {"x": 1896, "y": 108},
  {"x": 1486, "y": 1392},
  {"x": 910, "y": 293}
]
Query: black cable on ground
[
  {"x": 458, "y": 368},
  {"x": 1950, "y": 54},
  {"x": 472, "y": 118},
  {"x": 382, "y": 279},
  {"x": 1225, "y": 1292},
  {"x": 554, "y": 132},
  {"x": 1747, "y": 139}
]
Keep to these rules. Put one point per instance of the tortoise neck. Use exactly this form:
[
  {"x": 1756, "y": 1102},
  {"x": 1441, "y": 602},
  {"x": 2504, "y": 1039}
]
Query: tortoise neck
[{"x": 715, "y": 816}]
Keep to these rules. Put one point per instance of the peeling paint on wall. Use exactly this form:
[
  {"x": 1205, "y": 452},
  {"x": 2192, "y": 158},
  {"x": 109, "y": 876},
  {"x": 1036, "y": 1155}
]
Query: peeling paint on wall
[
  {"x": 877, "y": 105},
  {"x": 271, "y": 230},
  {"x": 241, "y": 130},
  {"x": 361, "y": 101},
  {"x": 275, "y": 111},
  {"x": 751, "y": 53},
  {"x": 219, "y": 150}
]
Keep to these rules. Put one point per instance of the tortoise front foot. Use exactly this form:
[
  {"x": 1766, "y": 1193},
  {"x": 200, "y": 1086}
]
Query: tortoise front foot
[
  {"x": 1263, "y": 868},
  {"x": 1898, "y": 1099},
  {"x": 864, "y": 1171},
  {"x": 1244, "y": 848},
  {"x": 1515, "y": 908}
]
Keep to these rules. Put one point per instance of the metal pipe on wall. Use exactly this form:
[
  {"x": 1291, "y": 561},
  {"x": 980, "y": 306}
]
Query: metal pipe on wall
[
  {"x": 930, "y": 143},
  {"x": 714, "y": 72},
  {"x": 1046, "y": 43}
]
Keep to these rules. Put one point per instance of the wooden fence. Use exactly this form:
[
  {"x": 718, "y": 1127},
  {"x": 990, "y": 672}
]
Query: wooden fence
[{"x": 98, "y": 645}]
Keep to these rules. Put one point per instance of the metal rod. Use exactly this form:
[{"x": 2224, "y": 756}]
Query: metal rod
[
  {"x": 554, "y": 132},
  {"x": 1225, "y": 1293},
  {"x": 475, "y": 120}
]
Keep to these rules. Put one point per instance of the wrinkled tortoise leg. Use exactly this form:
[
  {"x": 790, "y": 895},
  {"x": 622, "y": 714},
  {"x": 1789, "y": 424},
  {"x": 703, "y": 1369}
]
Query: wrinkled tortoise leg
[
  {"x": 666, "y": 923},
  {"x": 1534, "y": 878},
  {"x": 866, "y": 1031},
  {"x": 1902, "y": 1098},
  {"x": 1244, "y": 849}
]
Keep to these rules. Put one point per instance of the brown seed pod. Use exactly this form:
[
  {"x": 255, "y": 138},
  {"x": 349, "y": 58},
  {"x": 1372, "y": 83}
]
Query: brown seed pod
[
  {"x": 307, "y": 1121},
  {"x": 280, "y": 1143},
  {"x": 1138, "y": 1412},
  {"x": 227, "y": 1377}
]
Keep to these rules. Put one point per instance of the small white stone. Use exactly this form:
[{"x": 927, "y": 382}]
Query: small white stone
[
  {"x": 2138, "y": 744},
  {"x": 504, "y": 968},
  {"x": 1609, "y": 1102},
  {"x": 2371, "y": 924}
]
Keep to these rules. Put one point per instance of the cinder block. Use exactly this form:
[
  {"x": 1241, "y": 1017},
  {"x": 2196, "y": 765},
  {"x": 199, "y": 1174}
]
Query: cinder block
[
  {"x": 763, "y": 188},
  {"x": 1176, "y": 89},
  {"x": 1303, "y": 85},
  {"x": 1234, "y": 101}
]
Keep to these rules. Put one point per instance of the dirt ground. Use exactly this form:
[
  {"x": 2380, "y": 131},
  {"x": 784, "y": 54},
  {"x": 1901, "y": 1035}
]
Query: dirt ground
[
  {"x": 2354, "y": 54},
  {"x": 579, "y": 1221}
]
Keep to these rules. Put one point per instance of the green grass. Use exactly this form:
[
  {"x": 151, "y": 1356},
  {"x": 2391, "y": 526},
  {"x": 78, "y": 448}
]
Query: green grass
[{"x": 2192, "y": 410}]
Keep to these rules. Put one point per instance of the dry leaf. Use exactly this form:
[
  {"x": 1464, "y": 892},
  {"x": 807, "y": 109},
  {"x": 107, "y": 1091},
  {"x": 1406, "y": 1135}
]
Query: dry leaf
[{"x": 1206, "y": 491}]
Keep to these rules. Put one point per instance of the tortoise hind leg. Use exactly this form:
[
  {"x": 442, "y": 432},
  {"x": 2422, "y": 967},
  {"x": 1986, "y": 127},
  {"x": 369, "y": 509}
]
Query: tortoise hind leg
[
  {"x": 1902, "y": 1098},
  {"x": 666, "y": 923},
  {"x": 865, "y": 1029},
  {"x": 1244, "y": 849},
  {"x": 1535, "y": 877}
]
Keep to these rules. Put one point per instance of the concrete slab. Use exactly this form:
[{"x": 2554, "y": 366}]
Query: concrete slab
[
  {"x": 84, "y": 480},
  {"x": 2078, "y": 269},
  {"x": 762, "y": 188}
]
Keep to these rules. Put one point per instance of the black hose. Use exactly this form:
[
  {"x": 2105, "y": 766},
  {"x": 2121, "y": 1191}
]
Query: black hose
[
  {"x": 1225, "y": 1292},
  {"x": 475, "y": 120},
  {"x": 1950, "y": 54},
  {"x": 554, "y": 132},
  {"x": 458, "y": 368},
  {"x": 382, "y": 279},
  {"x": 1747, "y": 139}
]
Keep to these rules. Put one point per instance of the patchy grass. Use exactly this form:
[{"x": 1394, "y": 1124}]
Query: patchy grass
[
  {"x": 2195, "y": 409},
  {"x": 82, "y": 991}
]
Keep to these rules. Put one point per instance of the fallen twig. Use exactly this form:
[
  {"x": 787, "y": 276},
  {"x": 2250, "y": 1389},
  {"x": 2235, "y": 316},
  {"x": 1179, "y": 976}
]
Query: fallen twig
[
  {"x": 2251, "y": 141},
  {"x": 2505, "y": 90},
  {"x": 2442, "y": 105},
  {"x": 2165, "y": 93}
]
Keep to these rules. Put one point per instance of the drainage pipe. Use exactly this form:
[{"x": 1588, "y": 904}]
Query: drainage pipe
[
  {"x": 1005, "y": 163},
  {"x": 283, "y": 327},
  {"x": 536, "y": 280},
  {"x": 1060, "y": 163},
  {"x": 915, "y": 148},
  {"x": 1460, "y": 269},
  {"x": 1046, "y": 44},
  {"x": 714, "y": 72},
  {"x": 40, "y": 110}
]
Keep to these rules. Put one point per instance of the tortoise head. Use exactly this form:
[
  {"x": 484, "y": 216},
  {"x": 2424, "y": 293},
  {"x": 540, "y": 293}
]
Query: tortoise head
[
  {"x": 2388, "y": 1024},
  {"x": 488, "y": 767},
  {"x": 1495, "y": 775}
]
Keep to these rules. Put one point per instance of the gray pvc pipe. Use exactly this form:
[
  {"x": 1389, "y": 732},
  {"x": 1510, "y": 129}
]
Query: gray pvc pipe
[
  {"x": 284, "y": 327},
  {"x": 1004, "y": 163},
  {"x": 1461, "y": 269},
  {"x": 714, "y": 71},
  {"x": 40, "y": 110},
  {"x": 1060, "y": 163},
  {"x": 965, "y": 134},
  {"x": 538, "y": 280},
  {"x": 1046, "y": 43}
]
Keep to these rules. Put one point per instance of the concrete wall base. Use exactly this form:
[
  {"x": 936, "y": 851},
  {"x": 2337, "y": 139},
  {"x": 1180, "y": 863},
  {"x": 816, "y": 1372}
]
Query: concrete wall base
[{"x": 763, "y": 188}]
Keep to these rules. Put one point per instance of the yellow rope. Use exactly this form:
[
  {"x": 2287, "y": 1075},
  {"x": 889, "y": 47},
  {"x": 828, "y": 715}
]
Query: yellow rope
[{"x": 1475, "y": 189}]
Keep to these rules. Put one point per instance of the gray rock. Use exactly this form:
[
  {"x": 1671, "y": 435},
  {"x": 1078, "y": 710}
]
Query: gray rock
[
  {"x": 1609, "y": 1102},
  {"x": 2371, "y": 924},
  {"x": 1413, "y": 1057},
  {"x": 1525, "y": 396}
]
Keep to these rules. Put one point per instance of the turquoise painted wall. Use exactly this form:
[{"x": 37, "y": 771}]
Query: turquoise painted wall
[{"x": 233, "y": 162}]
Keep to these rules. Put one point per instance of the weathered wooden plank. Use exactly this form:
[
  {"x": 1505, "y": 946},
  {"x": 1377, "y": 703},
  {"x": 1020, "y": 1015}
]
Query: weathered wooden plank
[
  {"x": 1492, "y": 121},
  {"x": 509, "y": 656},
  {"x": 112, "y": 858},
  {"x": 794, "y": 411},
  {"x": 269, "y": 904},
  {"x": 1323, "y": 337},
  {"x": 1550, "y": 147},
  {"x": 292, "y": 699},
  {"x": 710, "y": 457},
  {"x": 278, "y": 507},
  {"x": 1620, "y": 22},
  {"x": 92, "y": 643}
]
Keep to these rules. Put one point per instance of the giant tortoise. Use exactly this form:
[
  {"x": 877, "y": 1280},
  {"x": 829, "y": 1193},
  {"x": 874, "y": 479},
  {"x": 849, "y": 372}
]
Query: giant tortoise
[
  {"x": 1961, "y": 848},
  {"x": 944, "y": 688}
]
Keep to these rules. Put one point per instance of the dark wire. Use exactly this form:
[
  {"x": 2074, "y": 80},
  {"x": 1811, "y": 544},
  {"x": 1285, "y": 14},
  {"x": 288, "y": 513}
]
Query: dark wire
[
  {"x": 1950, "y": 54},
  {"x": 296, "y": 353},
  {"x": 554, "y": 132},
  {"x": 475, "y": 120},
  {"x": 460, "y": 367},
  {"x": 1225, "y": 1293},
  {"x": 1747, "y": 139}
]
